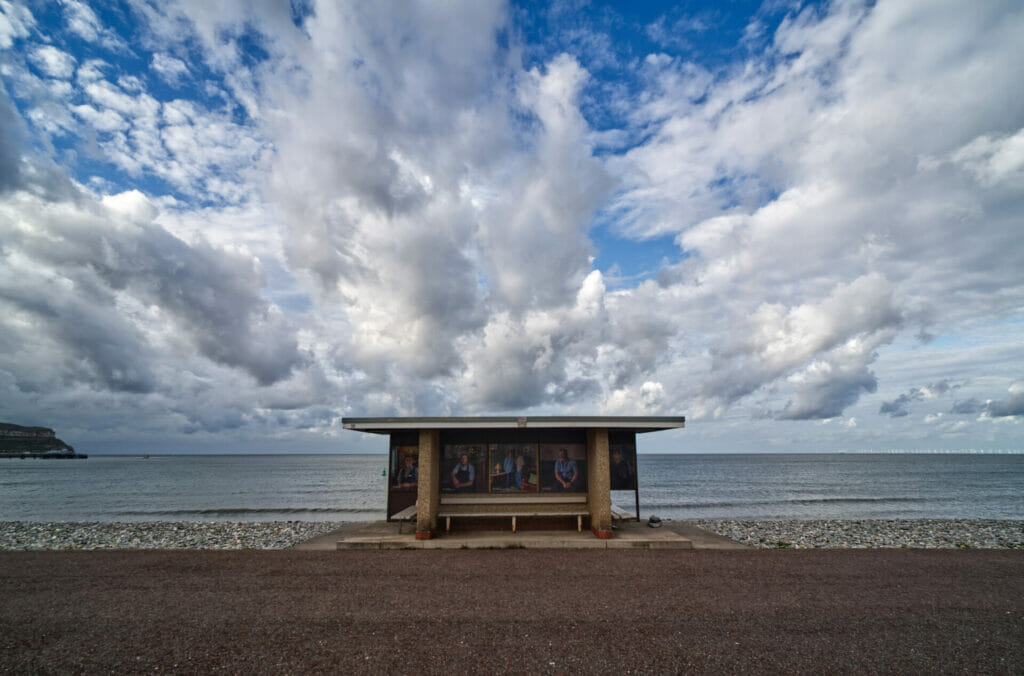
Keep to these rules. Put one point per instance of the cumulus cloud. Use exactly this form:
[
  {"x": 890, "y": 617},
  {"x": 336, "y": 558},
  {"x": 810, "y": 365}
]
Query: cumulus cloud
[
  {"x": 171, "y": 69},
  {"x": 899, "y": 406},
  {"x": 967, "y": 407},
  {"x": 990, "y": 159},
  {"x": 402, "y": 217},
  {"x": 397, "y": 209},
  {"x": 15, "y": 22},
  {"x": 83, "y": 22},
  {"x": 822, "y": 349},
  {"x": 53, "y": 62},
  {"x": 1013, "y": 405},
  {"x": 822, "y": 187},
  {"x": 102, "y": 279}
]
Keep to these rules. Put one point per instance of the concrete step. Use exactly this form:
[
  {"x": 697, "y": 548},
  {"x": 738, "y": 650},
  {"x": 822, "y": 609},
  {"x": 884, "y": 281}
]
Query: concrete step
[{"x": 502, "y": 540}]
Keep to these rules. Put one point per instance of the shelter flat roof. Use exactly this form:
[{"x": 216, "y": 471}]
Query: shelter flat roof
[{"x": 633, "y": 423}]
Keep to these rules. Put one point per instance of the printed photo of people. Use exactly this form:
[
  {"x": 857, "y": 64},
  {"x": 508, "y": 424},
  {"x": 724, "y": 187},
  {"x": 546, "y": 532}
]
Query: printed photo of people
[
  {"x": 563, "y": 468},
  {"x": 464, "y": 469},
  {"x": 622, "y": 465},
  {"x": 405, "y": 473},
  {"x": 513, "y": 468}
]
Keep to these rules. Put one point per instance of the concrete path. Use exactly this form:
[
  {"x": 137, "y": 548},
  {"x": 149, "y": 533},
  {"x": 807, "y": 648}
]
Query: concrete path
[{"x": 628, "y": 535}]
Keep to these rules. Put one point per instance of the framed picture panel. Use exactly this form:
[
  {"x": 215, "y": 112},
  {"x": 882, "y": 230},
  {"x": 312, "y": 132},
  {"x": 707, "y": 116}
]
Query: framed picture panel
[
  {"x": 405, "y": 467},
  {"x": 563, "y": 468},
  {"x": 622, "y": 466},
  {"x": 513, "y": 468},
  {"x": 403, "y": 473},
  {"x": 464, "y": 468}
]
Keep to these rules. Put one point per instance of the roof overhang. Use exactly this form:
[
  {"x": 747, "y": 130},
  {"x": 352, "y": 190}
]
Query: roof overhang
[{"x": 631, "y": 423}]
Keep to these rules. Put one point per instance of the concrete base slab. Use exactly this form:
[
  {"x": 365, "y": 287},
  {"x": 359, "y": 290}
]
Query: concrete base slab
[
  {"x": 329, "y": 541},
  {"x": 701, "y": 538},
  {"x": 628, "y": 535}
]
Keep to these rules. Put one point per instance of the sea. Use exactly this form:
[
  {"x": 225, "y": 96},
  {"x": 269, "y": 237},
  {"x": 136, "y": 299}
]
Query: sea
[{"x": 290, "y": 487}]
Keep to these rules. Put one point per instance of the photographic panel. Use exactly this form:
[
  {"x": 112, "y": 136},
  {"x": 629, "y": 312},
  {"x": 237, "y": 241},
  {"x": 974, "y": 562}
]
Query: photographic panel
[
  {"x": 563, "y": 468},
  {"x": 464, "y": 468},
  {"x": 622, "y": 466}
]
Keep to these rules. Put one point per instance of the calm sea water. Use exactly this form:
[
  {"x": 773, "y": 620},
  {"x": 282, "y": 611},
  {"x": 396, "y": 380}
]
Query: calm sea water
[{"x": 351, "y": 487}]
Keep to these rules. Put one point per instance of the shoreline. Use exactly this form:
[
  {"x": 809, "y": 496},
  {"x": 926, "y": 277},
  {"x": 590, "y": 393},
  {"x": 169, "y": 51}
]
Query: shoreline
[{"x": 277, "y": 535}]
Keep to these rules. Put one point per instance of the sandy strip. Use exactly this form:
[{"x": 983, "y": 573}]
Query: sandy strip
[{"x": 890, "y": 611}]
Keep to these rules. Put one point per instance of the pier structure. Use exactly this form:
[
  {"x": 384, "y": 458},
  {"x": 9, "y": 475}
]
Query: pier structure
[{"x": 507, "y": 473}]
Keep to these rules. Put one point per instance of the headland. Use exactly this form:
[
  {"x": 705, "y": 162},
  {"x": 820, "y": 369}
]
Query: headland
[{"x": 17, "y": 441}]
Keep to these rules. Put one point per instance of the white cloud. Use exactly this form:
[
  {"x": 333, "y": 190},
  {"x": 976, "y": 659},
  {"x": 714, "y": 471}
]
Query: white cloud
[
  {"x": 53, "y": 62},
  {"x": 15, "y": 22},
  {"x": 91, "y": 70},
  {"x": 384, "y": 210},
  {"x": 105, "y": 120},
  {"x": 993, "y": 160},
  {"x": 795, "y": 187},
  {"x": 82, "y": 20},
  {"x": 109, "y": 284},
  {"x": 171, "y": 69}
]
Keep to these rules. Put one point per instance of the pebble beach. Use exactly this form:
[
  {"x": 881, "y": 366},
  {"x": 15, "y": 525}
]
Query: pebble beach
[
  {"x": 27, "y": 536},
  {"x": 796, "y": 534},
  {"x": 872, "y": 533}
]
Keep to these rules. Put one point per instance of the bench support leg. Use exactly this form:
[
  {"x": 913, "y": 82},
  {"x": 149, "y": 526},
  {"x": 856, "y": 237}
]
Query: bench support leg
[
  {"x": 447, "y": 524},
  {"x": 579, "y": 523},
  {"x": 513, "y": 524}
]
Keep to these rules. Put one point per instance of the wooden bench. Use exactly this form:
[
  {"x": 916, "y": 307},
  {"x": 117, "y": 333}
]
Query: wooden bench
[
  {"x": 620, "y": 514},
  {"x": 524, "y": 507},
  {"x": 407, "y": 514}
]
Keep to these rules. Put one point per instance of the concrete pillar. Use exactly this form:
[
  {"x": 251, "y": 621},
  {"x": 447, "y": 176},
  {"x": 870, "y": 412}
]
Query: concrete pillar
[
  {"x": 599, "y": 487},
  {"x": 428, "y": 493}
]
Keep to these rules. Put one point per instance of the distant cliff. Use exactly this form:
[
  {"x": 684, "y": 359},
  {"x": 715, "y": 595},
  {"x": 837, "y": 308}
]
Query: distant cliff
[{"x": 18, "y": 440}]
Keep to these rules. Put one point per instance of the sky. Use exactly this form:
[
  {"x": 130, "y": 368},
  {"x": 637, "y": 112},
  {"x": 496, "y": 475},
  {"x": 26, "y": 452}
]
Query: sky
[{"x": 225, "y": 226}]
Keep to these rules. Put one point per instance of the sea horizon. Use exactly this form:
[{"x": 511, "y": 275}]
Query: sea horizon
[
  {"x": 384, "y": 452},
  {"x": 352, "y": 487}
]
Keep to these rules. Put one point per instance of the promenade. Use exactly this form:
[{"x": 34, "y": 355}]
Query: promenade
[{"x": 485, "y": 611}]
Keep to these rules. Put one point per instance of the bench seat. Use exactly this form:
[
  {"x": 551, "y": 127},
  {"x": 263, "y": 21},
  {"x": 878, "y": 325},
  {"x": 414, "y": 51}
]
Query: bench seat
[
  {"x": 515, "y": 499},
  {"x": 462, "y": 506},
  {"x": 621, "y": 514},
  {"x": 407, "y": 514}
]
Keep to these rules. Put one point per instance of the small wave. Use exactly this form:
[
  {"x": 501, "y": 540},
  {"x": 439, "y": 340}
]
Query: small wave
[
  {"x": 795, "y": 501},
  {"x": 246, "y": 510}
]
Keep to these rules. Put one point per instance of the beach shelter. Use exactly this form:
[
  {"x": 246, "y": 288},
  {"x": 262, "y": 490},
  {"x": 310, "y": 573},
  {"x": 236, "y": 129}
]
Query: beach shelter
[{"x": 511, "y": 472}]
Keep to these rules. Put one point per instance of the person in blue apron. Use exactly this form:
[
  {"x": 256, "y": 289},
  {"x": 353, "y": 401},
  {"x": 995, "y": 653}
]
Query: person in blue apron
[{"x": 463, "y": 475}]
